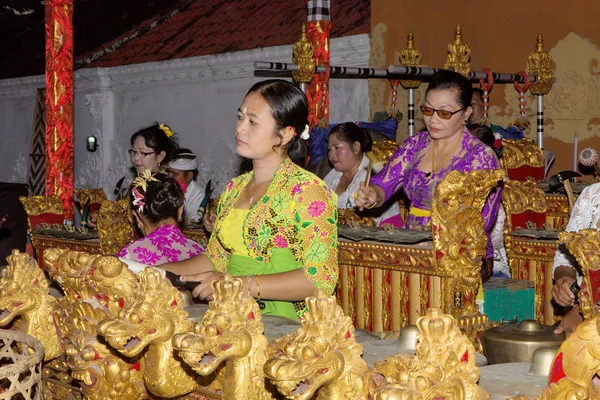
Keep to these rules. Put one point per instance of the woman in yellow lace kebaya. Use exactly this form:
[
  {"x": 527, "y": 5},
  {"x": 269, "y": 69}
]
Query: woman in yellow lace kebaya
[{"x": 276, "y": 226}]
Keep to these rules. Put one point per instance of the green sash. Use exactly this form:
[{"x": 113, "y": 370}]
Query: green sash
[{"x": 282, "y": 260}]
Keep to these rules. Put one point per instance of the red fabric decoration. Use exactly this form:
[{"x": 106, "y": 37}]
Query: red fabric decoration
[
  {"x": 37, "y": 220},
  {"x": 59, "y": 102},
  {"x": 182, "y": 186},
  {"x": 318, "y": 33}
]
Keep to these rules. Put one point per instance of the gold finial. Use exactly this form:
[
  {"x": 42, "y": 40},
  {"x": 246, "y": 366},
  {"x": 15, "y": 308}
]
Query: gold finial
[
  {"x": 459, "y": 55},
  {"x": 540, "y": 63},
  {"x": 410, "y": 57},
  {"x": 302, "y": 55}
]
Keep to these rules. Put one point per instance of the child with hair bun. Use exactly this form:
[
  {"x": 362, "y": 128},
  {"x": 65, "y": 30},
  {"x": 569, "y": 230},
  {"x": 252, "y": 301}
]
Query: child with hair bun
[{"x": 157, "y": 206}]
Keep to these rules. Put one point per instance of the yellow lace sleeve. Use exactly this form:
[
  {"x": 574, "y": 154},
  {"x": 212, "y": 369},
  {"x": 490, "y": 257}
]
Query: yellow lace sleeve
[{"x": 316, "y": 216}]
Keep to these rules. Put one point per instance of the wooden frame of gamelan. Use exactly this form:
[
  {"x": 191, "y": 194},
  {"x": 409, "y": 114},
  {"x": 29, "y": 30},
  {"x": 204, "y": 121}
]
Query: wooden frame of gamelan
[{"x": 384, "y": 287}]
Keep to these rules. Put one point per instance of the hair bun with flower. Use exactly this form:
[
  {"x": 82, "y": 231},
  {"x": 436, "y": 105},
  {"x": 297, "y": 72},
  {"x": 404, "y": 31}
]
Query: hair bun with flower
[
  {"x": 140, "y": 183},
  {"x": 166, "y": 129}
]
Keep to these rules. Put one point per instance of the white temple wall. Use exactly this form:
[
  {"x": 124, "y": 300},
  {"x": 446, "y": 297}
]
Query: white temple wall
[{"x": 197, "y": 97}]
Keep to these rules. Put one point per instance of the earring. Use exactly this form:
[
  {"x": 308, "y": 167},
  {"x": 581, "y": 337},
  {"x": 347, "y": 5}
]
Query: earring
[{"x": 466, "y": 121}]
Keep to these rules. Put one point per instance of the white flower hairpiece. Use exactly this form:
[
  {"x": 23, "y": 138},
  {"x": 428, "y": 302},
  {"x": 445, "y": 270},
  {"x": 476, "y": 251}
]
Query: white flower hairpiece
[{"x": 304, "y": 135}]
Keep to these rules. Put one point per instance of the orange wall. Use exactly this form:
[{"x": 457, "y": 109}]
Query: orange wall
[{"x": 501, "y": 35}]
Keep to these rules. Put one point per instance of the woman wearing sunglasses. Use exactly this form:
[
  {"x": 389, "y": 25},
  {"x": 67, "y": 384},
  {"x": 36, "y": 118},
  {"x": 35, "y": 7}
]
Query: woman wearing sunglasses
[{"x": 424, "y": 159}]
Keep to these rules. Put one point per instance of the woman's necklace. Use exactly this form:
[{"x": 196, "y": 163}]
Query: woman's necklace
[{"x": 433, "y": 169}]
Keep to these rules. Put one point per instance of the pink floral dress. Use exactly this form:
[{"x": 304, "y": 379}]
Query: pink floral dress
[{"x": 166, "y": 244}]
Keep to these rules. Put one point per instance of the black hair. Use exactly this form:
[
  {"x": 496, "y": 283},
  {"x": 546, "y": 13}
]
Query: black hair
[
  {"x": 446, "y": 79},
  {"x": 485, "y": 134},
  {"x": 289, "y": 107},
  {"x": 157, "y": 140},
  {"x": 162, "y": 199},
  {"x": 349, "y": 132}
]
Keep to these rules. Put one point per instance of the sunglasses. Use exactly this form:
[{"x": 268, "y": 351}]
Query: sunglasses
[{"x": 443, "y": 114}]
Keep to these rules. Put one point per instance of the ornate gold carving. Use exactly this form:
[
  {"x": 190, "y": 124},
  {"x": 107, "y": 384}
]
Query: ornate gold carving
[
  {"x": 93, "y": 195},
  {"x": 578, "y": 360},
  {"x": 115, "y": 226},
  {"x": 367, "y": 287},
  {"x": 540, "y": 63},
  {"x": 24, "y": 294},
  {"x": 302, "y": 55},
  {"x": 521, "y": 196},
  {"x": 146, "y": 327},
  {"x": 459, "y": 55},
  {"x": 584, "y": 245},
  {"x": 103, "y": 375},
  {"x": 459, "y": 235},
  {"x": 392, "y": 257},
  {"x": 521, "y": 152},
  {"x": 410, "y": 57},
  {"x": 41, "y": 242},
  {"x": 197, "y": 235},
  {"x": 383, "y": 150},
  {"x": 385, "y": 298},
  {"x": 322, "y": 358},
  {"x": 348, "y": 216},
  {"x": 444, "y": 366},
  {"x": 36, "y": 205},
  {"x": 230, "y": 333}
]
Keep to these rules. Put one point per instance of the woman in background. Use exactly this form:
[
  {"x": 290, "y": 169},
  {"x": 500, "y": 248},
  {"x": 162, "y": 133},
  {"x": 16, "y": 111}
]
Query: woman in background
[{"x": 348, "y": 144}]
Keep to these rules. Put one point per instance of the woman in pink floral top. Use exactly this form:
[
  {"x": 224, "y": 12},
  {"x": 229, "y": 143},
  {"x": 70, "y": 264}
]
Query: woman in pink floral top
[{"x": 157, "y": 203}]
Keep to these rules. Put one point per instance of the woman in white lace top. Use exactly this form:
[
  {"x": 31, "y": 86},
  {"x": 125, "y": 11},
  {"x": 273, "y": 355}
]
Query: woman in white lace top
[{"x": 585, "y": 215}]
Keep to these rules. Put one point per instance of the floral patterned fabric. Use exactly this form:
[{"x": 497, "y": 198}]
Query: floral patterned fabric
[
  {"x": 402, "y": 172},
  {"x": 298, "y": 212},
  {"x": 166, "y": 244}
]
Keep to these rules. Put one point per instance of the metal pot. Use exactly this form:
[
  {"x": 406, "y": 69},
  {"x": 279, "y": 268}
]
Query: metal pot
[{"x": 516, "y": 343}]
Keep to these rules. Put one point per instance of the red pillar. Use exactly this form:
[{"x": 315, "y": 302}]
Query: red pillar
[{"x": 59, "y": 102}]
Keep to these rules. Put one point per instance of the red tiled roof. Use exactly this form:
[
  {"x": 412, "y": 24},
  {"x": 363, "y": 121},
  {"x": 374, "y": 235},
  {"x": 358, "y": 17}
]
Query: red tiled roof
[{"x": 203, "y": 27}]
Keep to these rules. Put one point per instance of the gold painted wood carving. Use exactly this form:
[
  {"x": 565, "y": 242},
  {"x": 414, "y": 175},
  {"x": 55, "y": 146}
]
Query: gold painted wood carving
[
  {"x": 95, "y": 288},
  {"x": 540, "y": 64},
  {"x": 444, "y": 367},
  {"x": 521, "y": 196},
  {"x": 459, "y": 236},
  {"x": 91, "y": 195},
  {"x": 321, "y": 360},
  {"x": 521, "y": 152},
  {"x": 302, "y": 55},
  {"x": 410, "y": 57},
  {"x": 115, "y": 226},
  {"x": 36, "y": 205},
  {"x": 229, "y": 336},
  {"x": 145, "y": 328},
  {"x": 585, "y": 247},
  {"x": 459, "y": 55}
]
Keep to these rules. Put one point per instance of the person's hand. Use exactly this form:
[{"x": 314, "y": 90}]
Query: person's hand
[
  {"x": 208, "y": 219},
  {"x": 204, "y": 289},
  {"x": 365, "y": 198},
  {"x": 569, "y": 322},
  {"x": 561, "y": 291}
]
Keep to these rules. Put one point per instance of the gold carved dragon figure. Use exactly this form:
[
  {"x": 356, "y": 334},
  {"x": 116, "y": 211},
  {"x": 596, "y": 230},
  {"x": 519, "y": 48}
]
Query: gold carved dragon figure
[
  {"x": 146, "y": 328},
  {"x": 459, "y": 234},
  {"x": 444, "y": 367},
  {"x": 24, "y": 294},
  {"x": 104, "y": 375},
  {"x": 230, "y": 333},
  {"x": 95, "y": 288},
  {"x": 322, "y": 358}
]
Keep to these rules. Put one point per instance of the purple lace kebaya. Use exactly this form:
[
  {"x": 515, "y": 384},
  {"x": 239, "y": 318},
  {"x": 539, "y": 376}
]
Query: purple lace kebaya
[{"x": 402, "y": 171}]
